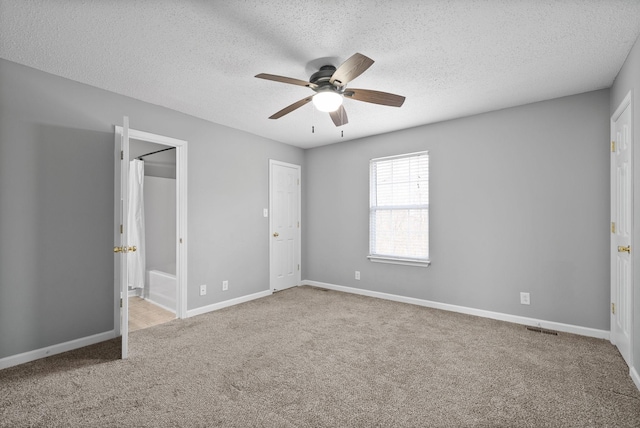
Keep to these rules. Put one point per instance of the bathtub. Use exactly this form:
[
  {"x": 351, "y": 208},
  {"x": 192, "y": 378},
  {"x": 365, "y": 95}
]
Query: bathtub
[{"x": 161, "y": 289}]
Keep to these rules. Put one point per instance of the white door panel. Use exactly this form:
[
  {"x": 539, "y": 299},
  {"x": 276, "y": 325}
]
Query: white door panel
[
  {"x": 621, "y": 230},
  {"x": 124, "y": 233},
  {"x": 284, "y": 188}
]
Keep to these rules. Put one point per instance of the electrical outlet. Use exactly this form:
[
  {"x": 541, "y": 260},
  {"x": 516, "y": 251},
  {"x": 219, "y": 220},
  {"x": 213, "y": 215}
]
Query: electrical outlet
[
  {"x": 203, "y": 289},
  {"x": 358, "y": 275},
  {"x": 225, "y": 285},
  {"x": 524, "y": 299}
]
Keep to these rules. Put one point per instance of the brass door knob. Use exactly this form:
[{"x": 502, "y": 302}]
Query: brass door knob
[
  {"x": 626, "y": 249},
  {"x": 133, "y": 249},
  {"x": 117, "y": 249},
  {"x": 276, "y": 234}
]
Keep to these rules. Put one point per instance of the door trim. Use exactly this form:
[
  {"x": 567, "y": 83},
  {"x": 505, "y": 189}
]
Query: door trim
[
  {"x": 626, "y": 103},
  {"x": 181, "y": 216},
  {"x": 273, "y": 162}
]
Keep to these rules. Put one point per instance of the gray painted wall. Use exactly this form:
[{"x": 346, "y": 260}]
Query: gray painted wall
[
  {"x": 629, "y": 80},
  {"x": 56, "y": 206},
  {"x": 160, "y": 223},
  {"x": 519, "y": 202}
]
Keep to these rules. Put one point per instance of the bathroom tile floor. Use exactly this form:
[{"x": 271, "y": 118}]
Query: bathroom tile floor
[{"x": 144, "y": 314}]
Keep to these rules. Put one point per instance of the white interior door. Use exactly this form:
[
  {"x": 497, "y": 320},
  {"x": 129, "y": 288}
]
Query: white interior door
[
  {"x": 121, "y": 248},
  {"x": 621, "y": 229},
  {"x": 284, "y": 201}
]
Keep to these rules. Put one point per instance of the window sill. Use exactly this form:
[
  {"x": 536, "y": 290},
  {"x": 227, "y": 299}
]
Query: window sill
[{"x": 396, "y": 261}]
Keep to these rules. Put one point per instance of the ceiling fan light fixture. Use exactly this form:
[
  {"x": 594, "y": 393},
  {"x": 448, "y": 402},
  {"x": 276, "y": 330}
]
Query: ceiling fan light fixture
[{"x": 327, "y": 101}]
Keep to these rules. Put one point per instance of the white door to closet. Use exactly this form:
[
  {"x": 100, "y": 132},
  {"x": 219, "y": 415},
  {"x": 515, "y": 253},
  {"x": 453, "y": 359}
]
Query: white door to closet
[
  {"x": 284, "y": 201},
  {"x": 621, "y": 229}
]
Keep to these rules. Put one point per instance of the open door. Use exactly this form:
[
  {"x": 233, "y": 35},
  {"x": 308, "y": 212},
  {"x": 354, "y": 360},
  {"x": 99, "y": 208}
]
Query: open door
[
  {"x": 622, "y": 229},
  {"x": 121, "y": 248}
]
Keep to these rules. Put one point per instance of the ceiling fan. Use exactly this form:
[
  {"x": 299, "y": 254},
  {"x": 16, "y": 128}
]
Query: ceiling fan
[{"x": 330, "y": 87}]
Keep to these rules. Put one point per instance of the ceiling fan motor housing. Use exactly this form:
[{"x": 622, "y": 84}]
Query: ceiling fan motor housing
[{"x": 321, "y": 79}]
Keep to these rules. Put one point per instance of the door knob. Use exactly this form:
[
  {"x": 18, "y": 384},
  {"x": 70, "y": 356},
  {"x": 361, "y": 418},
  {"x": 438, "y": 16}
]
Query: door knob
[
  {"x": 626, "y": 249},
  {"x": 276, "y": 234},
  {"x": 124, "y": 249}
]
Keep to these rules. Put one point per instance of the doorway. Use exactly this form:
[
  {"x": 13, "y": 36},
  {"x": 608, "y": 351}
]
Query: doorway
[
  {"x": 152, "y": 269},
  {"x": 133, "y": 144}
]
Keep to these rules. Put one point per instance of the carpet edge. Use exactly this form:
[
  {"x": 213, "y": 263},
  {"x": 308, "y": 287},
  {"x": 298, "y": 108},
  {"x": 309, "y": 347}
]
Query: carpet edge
[{"x": 516, "y": 319}]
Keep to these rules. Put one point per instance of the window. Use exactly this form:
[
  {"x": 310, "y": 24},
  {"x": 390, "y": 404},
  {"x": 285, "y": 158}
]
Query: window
[{"x": 399, "y": 209}]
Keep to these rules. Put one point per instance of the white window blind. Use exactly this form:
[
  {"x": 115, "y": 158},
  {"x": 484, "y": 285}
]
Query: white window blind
[{"x": 399, "y": 209}]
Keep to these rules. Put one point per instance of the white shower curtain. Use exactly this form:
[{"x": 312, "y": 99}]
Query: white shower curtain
[{"x": 137, "y": 266}]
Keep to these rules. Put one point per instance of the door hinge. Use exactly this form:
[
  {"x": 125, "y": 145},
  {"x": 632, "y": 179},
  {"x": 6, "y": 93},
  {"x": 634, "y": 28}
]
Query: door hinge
[
  {"x": 613, "y": 227},
  {"x": 613, "y": 146},
  {"x": 298, "y": 225},
  {"x": 298, "y": 267},
  {"x": 613, "y": 308},
  {"x": 121, "y": 230},
  {"x": 121, "y": 155},
  {"x": 120, "y": 302}
]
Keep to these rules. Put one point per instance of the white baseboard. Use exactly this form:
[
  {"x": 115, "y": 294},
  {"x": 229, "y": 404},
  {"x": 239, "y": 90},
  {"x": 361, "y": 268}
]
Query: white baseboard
[
  {"x": 635, "y": 377},
  {"x": 136, "y": 292},
  {"x": 227, "y": 303},
  {"x": 154, "y": 303},
  {"x": 59, "y": 348},
  {"x": 548, "y": 325}
]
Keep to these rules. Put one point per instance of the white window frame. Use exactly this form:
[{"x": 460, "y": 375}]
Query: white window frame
[{"x": 379, "y": 258}]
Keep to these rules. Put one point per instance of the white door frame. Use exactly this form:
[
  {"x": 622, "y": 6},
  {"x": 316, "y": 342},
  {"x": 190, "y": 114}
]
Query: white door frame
[
  {"x": 181, "y": 217},
  {"x": 273, "y": 162},
  {"x": 626, "y": 103}
]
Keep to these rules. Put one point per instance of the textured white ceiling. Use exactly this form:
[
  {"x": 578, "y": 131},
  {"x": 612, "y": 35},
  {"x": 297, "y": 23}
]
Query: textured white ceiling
[{"x": 449, "y": 58}]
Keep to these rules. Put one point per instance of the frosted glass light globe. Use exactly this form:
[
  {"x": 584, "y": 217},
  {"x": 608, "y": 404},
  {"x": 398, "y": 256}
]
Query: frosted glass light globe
[{"x": 327, "y": 101}]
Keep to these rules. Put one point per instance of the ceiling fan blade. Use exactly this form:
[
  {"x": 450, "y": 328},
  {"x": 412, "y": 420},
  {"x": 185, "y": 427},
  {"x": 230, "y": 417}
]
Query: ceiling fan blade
[
  {"x": 350, "y": 69},
  {"x": 339, "y": 116},
  {"x": 284, "y": 79},
  {"x": 376, "y": 97},
  {"x": 291, "y": 108}
]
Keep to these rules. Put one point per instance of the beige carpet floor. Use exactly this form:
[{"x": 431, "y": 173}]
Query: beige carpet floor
[{"x": 305, "y": 357}]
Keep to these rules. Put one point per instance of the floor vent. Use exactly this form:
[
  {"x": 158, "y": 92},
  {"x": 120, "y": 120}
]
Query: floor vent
[{"x": 542, "y": 330}]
